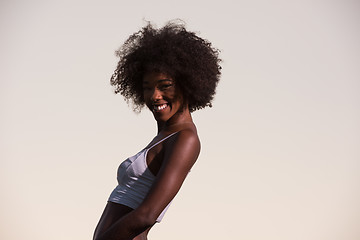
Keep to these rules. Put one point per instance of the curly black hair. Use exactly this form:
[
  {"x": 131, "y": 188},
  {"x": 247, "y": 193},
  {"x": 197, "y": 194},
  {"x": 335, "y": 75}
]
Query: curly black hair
[{"x": 190, "y": 60}]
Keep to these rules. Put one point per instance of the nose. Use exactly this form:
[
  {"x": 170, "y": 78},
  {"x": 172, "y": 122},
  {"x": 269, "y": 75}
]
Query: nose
[{"x": 156, "y": 95}]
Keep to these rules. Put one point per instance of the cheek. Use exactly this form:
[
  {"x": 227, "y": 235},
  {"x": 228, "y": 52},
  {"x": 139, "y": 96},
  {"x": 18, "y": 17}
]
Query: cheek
[
  {"x": 173, "y": 93},
  {"x": 178, "y": 101}
]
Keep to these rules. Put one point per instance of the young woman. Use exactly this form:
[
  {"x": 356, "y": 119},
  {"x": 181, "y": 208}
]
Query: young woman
[{"x": 173, "y": 72}]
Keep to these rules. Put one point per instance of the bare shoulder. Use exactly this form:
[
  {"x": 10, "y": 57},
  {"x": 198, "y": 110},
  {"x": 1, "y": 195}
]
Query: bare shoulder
[
  {"x": 187, "y": 135},
  {"x": 185, "y": 145}
]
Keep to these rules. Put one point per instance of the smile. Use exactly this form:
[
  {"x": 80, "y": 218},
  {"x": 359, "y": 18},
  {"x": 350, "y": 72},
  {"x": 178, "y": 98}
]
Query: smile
[{"x": 160, "y": 107}]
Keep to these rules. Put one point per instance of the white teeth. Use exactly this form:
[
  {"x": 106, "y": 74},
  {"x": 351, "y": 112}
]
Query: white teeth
[{"x": 160, "y": 107}]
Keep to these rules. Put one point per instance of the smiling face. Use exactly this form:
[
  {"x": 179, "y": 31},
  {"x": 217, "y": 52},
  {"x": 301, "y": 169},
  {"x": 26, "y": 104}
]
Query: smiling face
[{"x": 162, "y": 97}]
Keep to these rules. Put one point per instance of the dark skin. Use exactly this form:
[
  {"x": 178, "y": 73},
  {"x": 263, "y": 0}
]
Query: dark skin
[{"x": 170, "y": 161}]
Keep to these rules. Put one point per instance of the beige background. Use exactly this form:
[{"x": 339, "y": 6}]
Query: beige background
[{"x": 280, "y": 148}]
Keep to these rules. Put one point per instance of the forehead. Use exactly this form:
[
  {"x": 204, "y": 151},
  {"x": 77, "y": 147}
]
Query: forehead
[{"x": 154, "y": 78}]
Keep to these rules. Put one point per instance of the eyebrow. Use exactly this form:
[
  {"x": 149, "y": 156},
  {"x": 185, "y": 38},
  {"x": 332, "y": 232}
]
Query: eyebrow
[
  {"x": 165, "y": 80},
  {"x": 160, "y": 81}
]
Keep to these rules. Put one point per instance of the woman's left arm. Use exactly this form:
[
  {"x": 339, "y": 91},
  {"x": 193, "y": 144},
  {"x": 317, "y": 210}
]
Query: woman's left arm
[{"x": 180, "y": 154}]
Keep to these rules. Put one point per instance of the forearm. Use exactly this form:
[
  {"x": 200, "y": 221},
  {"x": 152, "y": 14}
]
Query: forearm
[{"x": 127, "y": 227}]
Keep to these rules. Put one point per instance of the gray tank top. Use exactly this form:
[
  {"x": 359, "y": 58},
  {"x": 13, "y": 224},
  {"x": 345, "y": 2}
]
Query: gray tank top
[{"x": 135, "y": 180}]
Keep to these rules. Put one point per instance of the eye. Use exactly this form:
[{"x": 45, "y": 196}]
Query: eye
[{"x": 166, "y": 86}]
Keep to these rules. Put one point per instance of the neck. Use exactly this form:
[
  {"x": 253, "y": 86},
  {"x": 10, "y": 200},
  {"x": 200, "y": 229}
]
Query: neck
[{"x": 178, "y": 119}]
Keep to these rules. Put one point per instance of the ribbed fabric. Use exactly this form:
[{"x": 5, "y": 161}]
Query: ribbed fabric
[{"x": 135, "y": 180}]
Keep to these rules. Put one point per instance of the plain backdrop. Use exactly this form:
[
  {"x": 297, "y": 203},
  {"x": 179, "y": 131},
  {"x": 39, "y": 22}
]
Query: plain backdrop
[{"x": 280, "y": 153}]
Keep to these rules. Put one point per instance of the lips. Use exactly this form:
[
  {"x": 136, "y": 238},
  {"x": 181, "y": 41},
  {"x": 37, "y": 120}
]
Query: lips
[{"x": 160, "y": 107}]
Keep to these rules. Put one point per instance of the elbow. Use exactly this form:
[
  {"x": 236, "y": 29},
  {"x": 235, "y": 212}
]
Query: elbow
[{"x": 147, "y": 218}]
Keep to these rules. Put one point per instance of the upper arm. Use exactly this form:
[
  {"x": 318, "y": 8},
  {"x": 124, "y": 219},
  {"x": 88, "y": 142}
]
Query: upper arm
[{"x": 180, "y": 154}]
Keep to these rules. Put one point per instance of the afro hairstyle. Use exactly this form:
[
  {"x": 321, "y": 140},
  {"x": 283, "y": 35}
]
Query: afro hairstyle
[{"x": 190, "y": 60}]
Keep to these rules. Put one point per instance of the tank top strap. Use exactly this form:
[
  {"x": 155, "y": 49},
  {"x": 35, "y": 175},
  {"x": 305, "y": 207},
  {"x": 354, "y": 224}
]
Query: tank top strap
[{"x": 162, "y": 140}]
